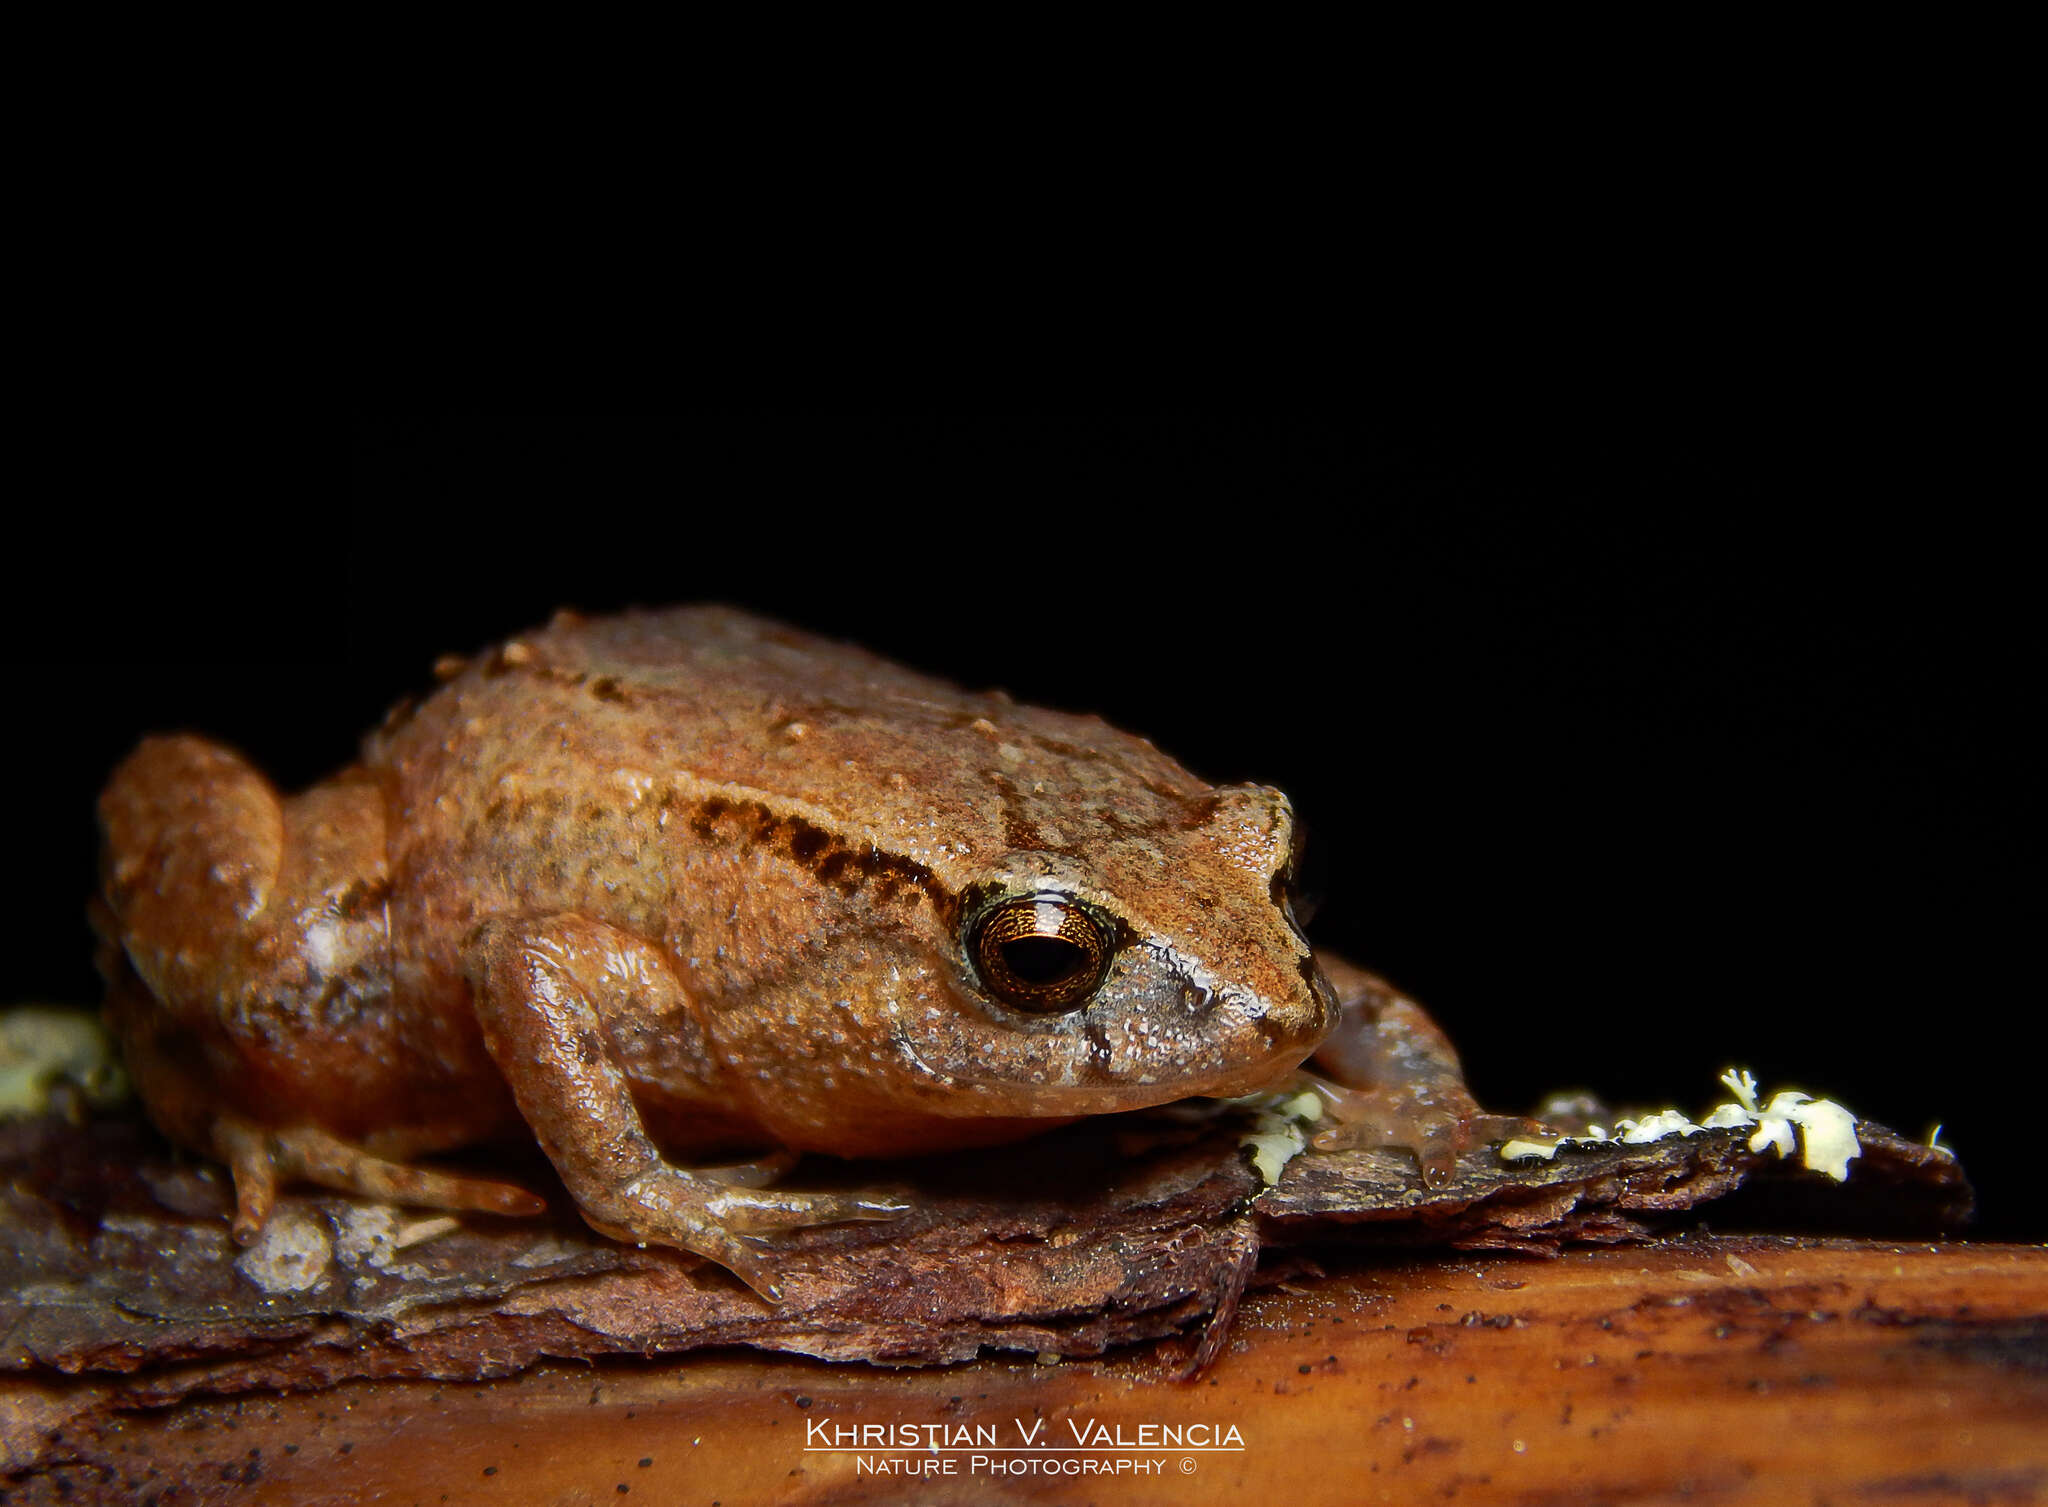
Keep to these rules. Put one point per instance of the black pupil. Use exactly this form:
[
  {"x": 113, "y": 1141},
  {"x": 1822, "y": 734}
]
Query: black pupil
[{"x": 1041, "y": 960}]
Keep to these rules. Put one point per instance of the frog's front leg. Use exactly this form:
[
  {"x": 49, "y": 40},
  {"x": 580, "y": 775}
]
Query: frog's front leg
[
  {"x": 560, "y": 999},
  {"x": 1397, "y": 1079}
]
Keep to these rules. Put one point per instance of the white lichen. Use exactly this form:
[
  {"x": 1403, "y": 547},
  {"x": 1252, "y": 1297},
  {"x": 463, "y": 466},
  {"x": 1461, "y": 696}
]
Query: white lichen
[
  {"x": 44, "y": 1045},
  {"x": 1272, "y": 1152},
  {"x": 1727, "y": 1117},
  {"x": 291, "y": 1255},
  {"x": 1277, "y": 1137},
  {"x": 365, "y": 1236},
  {"x": 1774, "y": 1129},
  {"x": 1741, "y": 1082},
  {"x": 1655, "y": 1128},
  {"x": 420, "y": 1231},
  {"x": 1306, "y": 1106},
  {"x": 1830, "y": 1142},
  {"x": 1823, "y": 1131}
]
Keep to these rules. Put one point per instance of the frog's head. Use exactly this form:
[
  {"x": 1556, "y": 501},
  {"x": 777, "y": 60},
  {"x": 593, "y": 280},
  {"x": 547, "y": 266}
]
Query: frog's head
[{"x": 1157, "y": 966}]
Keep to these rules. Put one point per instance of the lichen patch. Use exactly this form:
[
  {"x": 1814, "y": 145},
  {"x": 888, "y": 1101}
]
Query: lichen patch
[
  {"x": 291, "y": 1255},
  {"x": 1821, "y": 1130}
]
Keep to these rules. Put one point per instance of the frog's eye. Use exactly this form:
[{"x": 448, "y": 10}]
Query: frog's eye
[{"x": 1043, "y": 953}]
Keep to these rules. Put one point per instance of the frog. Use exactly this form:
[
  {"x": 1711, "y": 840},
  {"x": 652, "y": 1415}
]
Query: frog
[{"x": 681, "y": 895}]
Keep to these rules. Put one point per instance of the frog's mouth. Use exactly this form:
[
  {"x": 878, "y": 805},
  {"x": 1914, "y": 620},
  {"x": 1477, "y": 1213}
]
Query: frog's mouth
[
  {"x": 1066, "y": 1101},
  {"x": 1106, "y": 1094}
]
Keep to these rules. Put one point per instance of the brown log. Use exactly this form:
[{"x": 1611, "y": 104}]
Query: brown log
[{"x": 1730, "y": 1370}]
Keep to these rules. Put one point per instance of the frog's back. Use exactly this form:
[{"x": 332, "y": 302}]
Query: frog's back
[{"x": 616, "y": 766}]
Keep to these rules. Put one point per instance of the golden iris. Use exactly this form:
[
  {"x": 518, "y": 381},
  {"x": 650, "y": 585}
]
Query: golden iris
[{"x": 1041, "y": 953}]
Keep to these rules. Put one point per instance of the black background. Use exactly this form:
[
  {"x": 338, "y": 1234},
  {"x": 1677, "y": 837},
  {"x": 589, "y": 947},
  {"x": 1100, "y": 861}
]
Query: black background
[{"x": 1636, "y": 744}]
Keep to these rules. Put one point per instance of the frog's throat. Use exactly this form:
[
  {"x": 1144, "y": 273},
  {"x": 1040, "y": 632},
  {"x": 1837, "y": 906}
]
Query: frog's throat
[{"x": 1038, "y": 1100}]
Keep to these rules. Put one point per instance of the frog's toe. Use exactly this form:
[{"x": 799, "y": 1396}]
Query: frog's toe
[
  {"x": 1435, "y": 1133},
  {"x": 263, "y": 1160},
  {"x": 877, "y": 1206},
  {"x": 317, "y": 1157},
  {"x": 757, "y": 1277},
  {"x": 1434, "y": 1143},
  {"x": 246, "y": 1150},
  {"x": 1512, "y": 1127},
  {"x": 763, "y": 1211},
  {"x": 876, "y": 1203},
  {"x": 1424, "y": 1124},
  {"x": 746, "y": 1259},
  {"x": 744, "y": 1218},
  {"x": 1437, "y": 1161}
]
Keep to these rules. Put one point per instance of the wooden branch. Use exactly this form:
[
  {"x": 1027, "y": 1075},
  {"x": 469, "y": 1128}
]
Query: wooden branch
[
  {"x": 359, "y": 1352},
  {"x": 1731, "y": 1370}
]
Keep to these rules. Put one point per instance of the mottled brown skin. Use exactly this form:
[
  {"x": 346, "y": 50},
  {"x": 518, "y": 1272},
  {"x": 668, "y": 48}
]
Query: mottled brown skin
[{"x": 690, "y": 883}]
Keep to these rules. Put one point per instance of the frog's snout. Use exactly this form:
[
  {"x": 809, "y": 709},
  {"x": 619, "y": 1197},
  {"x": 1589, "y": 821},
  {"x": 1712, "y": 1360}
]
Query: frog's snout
[
  {"x": 1279, "y": 1037},
  {"x": 1318, "y": 1008},
  {"x": 1227, "y": 1041}
]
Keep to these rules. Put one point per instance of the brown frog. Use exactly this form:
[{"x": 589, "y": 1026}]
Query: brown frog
[{"x": 688, "y": 883}]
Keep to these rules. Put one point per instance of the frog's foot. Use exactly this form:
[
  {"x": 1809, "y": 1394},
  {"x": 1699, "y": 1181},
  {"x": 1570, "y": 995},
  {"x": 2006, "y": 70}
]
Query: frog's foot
[
  {"x": 724, "y": 1221},
  {"x": 263, "y": 1160},
  {"x": 1435, "y": 1122},
  {"x": 762, "y": 1211},
  {"x": 1397, "y": 1081}
]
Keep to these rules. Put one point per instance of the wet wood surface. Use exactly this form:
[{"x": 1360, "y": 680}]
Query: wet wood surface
[{"x": 1702, "y": 1369}]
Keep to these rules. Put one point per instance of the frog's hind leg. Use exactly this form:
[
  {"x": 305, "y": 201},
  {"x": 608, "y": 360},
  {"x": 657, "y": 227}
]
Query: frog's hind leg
[
  {"x": 246, "y": 946},
  {"x": 263, "y": 1159},
  {"x": 1397, "y": 1079}
]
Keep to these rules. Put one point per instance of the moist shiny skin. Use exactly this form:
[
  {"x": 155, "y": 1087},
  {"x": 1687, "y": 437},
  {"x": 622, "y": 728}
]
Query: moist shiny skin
[{"x": 675, "y": 884}]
